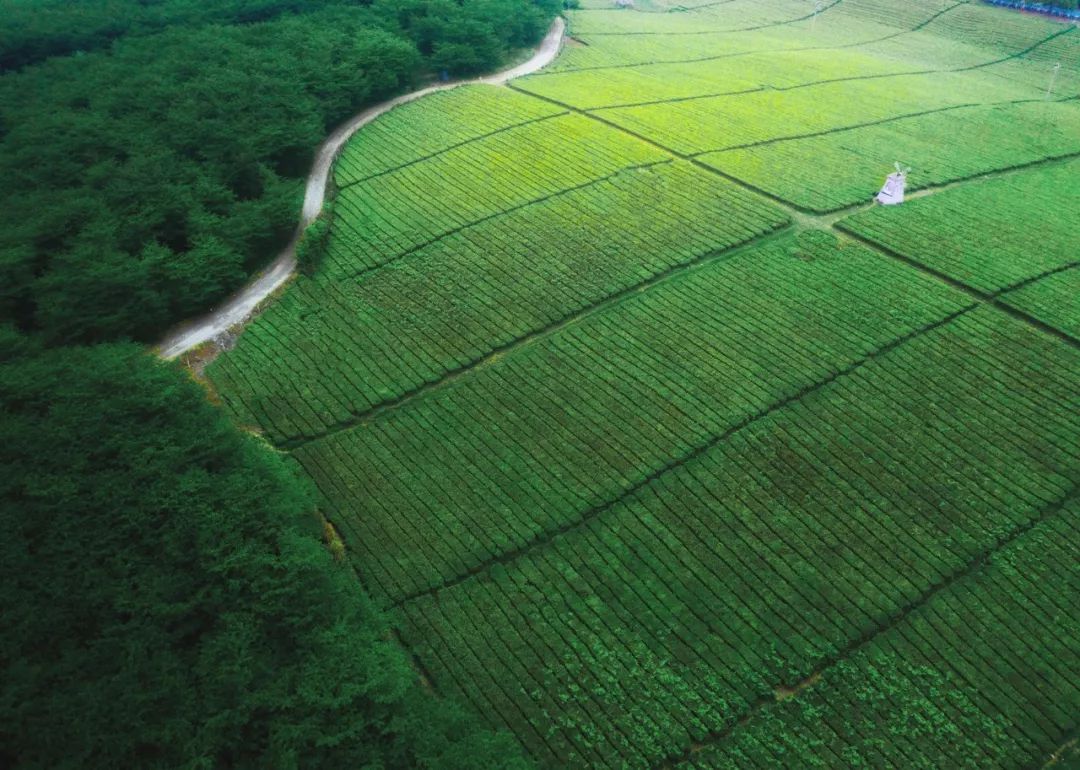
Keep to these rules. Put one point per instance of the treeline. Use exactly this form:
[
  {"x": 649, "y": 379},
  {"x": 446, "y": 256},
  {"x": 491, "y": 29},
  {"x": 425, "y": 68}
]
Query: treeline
[
  {"x": 145, "y": 181},
  {"x": 34, "y": 30},
  {"x": 168, "y": 601}
]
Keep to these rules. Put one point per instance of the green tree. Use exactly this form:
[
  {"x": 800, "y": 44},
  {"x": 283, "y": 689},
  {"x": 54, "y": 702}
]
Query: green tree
[{"x": 167, "y": 601}]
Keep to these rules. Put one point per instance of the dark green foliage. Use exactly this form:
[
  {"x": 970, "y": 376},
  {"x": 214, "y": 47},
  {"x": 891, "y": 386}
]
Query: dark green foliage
[
  {"x": 35, "y": 30},
  {"x": 146, "y": 180},
  {"x": 311, "y": 250},
  {"x": 167, "y": 601}
]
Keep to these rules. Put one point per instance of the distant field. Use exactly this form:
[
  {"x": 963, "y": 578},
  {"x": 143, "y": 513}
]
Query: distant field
[{"x": 666, "y": 447}]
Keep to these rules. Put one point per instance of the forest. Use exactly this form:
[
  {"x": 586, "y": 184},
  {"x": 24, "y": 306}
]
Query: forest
[
  {"x": 169, "y": 599},
  {"x": 154, "y": 154}
]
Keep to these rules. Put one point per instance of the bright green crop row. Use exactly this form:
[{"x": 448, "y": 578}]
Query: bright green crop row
[
  {"x": 983, "y": 675},
  {"x": 681, "y": 37},
  {"x": 737, "y": 66},
  {"x": 591, "y": 89},
  {"x": 702, "y": 125},
  {"x": 986, "y": 27},
  {"x": 639, "y": 496},
  {"x": 903, "y": 16},
  {"x": 1054, "y": 300},
  {"x": 664, "y": 618},
  {"x": 969, "y": 35},
  {"x": 989, "y": 234},
  {"x": 736, "y": 15},
  {"x": 416, "y": 130},
  {"x": 527, "y": 443},
  {"x": 613, "y": 51},
  {"x": 459, "y": 299},
  {"x": 947, "y": 34},
  {"x": 380, "y": 219}
]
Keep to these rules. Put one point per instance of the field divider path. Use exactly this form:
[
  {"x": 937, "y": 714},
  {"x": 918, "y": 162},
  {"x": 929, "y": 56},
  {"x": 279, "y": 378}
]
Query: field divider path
[
  {"x": 845, "y": 79},
  {"x": 849, "y": 79},
  {"x": 502, "y": 212},
  {"x": 448, "y": 148},
  {"x": 495, "y": 353},
  {"x": 829, "y": 220},
  {"x": 893, "y": 119},
  {"x": 980, "y": 560},
  {"x": 978, "y": 297},
  {"x": 241, "y": 306},
  {"x": 832, "y": 218},
  {"x": 591, "y": 513},
  {"x": 694, "y": 60},
  {"x": 770, "y": 25},
  {"x": 990, "y": 298}
]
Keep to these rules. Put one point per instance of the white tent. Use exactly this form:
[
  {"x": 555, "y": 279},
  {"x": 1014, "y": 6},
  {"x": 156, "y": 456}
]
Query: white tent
[{"x": 892, "y": 192}]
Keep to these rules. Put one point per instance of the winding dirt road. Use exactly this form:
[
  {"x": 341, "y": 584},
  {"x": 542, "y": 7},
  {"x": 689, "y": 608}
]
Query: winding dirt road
[{"x": 238, "y": 308}]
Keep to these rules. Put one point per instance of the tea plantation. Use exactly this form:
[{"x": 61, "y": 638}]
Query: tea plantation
[{"x": 665, "y": 445}]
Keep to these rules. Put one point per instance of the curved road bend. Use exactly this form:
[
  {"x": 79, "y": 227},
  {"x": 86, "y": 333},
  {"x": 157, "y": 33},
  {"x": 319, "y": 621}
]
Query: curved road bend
[{"x": 238, "y": 308}]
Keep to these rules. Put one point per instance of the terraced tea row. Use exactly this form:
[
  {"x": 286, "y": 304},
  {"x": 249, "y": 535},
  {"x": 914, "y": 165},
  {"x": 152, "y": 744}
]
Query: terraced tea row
[
  {"x": 988, "y": 691},
  {"x": 650, "y": 483},
  {"x": 1054, "y": 300},
  {"x": 839, "y": 169},
  {"x": 937, "y": 35},
  {"x": 538, "y": 438},
  {"x": 717, "y": 123},
  {"x": 591, "y": 90},
  {"x": 437, "y": 123},
  {"x": 989, "y": 234},
  {"x": 385, "y": 217},
  {"x": 734, "y": 16},
  {"x": 452, "y": 303},
  {"x": 914, "y": 52},
  {"x": 665, "y": 619}
]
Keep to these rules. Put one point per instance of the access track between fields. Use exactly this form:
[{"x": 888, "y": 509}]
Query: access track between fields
[{"x": 812, "y": 219}]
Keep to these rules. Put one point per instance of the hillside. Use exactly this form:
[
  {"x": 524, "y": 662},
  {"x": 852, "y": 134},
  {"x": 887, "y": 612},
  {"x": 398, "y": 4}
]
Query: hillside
[{"x": 666, "y": 446}]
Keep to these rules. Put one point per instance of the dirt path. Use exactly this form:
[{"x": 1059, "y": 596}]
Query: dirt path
[{"x": 238, "y": 308}]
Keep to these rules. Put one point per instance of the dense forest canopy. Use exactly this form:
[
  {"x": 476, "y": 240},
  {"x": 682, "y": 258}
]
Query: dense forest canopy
[
  {"x": 168, "y": 602},
  {"x": 148, "y": 177}
]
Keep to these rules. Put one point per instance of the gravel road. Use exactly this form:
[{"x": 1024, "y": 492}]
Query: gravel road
[{"x": 238, "y": 308}]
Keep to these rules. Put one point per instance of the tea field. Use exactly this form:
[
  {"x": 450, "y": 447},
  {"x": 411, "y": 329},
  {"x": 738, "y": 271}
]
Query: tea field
[{"x": 663, "y": 444}]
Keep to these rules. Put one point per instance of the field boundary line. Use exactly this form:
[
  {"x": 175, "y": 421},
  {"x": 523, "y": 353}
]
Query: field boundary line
[
  {"x": 847, "y": 79},
  {"x": 831, "y": 5},
  {"x": 677, "y": 99},
  {"x": 1068, "y": 740},
  {"x": 980, "y": 560},
  {"x": 456, "y": 145},
  {"x": 764, "y": 51},
  {"x": 801, "y": 212},
  {"x": 829, "y": 219},
  {"x": 599, "y": 509},
  {"x": 694, "y": 8},
  {"x": 855, "y": 127},
  {"x": 488, "y": 217},
  {"x": 790, "y": 207},
  {"x": 993, "y": 299},
  {"x": 836, "y": 216},
  {"x": 374, "y": 413},
  {"x": 916, "y": 191},
  {"x": 420, "y": 668}
]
